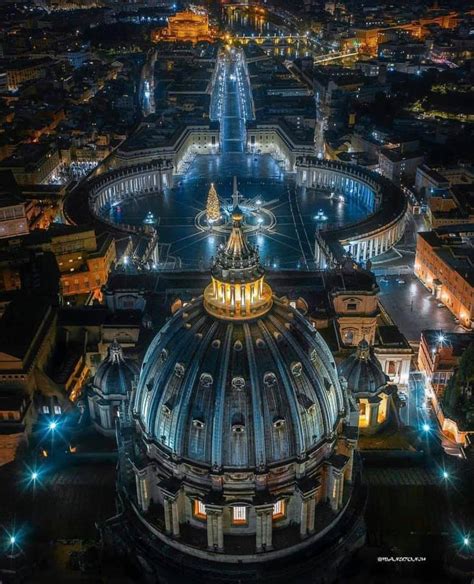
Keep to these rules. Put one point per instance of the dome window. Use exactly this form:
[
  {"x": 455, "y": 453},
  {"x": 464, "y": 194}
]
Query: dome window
[
  {"x": 239, "y": 515},
  {"x": 260, "y": 343},
  {"x": 216, "y": 343},
  {"x": 297, "y": 369},
  {"x": 198, "y": 424},
  {"x": 238, "y": 383},
  {"x": 164, "y": 355},
  {"x": 206, "y": 380},
  {"x": 166, "y": 410},
  {"x": 278, "y": 423},
  {"x": 238, "y": 346},
  {"x": 279, "y": 509},
  {"x": 312, "y": 409},
  {"x": 199, "y": 509},
  {"x": 278, "y": 336},
  {"x": 149, "y": 385},
  {"x": 179, "y": 370},
  {"x": 238, "y": 428},
  {"x": 269, "y": 379}
]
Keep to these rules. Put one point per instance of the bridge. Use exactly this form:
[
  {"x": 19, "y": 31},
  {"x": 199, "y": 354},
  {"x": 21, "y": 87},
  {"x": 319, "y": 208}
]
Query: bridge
[
  {"x": 275, "y": 39},
  {"x": 334, "y": 57}
]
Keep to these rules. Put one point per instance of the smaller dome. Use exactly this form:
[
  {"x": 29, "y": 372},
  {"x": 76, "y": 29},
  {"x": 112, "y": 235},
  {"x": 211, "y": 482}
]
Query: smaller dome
[
  {"x": 363, "y": 371},
  {"x": 115, "y": 374}
]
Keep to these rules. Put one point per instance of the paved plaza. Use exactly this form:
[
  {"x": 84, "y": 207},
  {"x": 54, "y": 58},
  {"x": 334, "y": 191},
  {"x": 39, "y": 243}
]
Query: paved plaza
[{"x": 289, "y": 245}]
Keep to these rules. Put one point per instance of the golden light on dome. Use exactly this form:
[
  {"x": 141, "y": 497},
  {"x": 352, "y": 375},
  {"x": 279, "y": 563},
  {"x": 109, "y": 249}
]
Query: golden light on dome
[{"x": 238, "y": 289}]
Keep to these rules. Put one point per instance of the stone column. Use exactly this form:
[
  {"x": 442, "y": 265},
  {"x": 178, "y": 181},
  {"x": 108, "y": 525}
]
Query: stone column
[
  {"x": 373, "y": 414},
  {"x": 264, "y": 527},
  {"x": 341, "y": 492},
  {"x": 335, "y": 485},
  {"x": 175, "y": 518},
  {"x": 350, "y": 464},
  {"x": 142, "y": 490},
  {"x": 311, "y": 513},
  {"x": 171, "y": 511},
  {"x": 304, "y": 517},
  {"x": 167, "y": 510},
  {"x": 215, "y": 533}
]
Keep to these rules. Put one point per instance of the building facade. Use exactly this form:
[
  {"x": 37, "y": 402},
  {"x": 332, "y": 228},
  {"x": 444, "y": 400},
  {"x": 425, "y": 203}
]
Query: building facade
[{"x": 444, "y": 263}]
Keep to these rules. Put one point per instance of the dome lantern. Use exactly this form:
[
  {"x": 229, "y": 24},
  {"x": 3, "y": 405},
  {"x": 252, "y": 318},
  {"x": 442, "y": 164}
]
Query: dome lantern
[{"x": 237, "y": 289}]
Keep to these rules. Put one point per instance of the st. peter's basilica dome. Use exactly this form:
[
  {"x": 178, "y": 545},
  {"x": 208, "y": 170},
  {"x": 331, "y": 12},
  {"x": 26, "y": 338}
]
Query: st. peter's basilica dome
[{"x": 239, "y": 436}]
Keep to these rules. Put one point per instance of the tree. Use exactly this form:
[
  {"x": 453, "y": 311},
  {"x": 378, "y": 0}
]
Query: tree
[{"x": 213, "y": 211}]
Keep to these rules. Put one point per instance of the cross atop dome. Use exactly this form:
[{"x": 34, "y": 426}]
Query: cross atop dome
[{"x": 235, "y": 194}]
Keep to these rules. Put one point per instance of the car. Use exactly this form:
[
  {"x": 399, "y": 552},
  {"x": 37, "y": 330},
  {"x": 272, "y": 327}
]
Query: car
[
  {"x": 400, "y": 281},
  {"x": 440, "y": 305},
  {"x": 402, "y": 396}
]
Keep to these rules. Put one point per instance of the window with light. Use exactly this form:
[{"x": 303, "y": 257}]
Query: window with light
[
  {"x": 279, "y": 509},
  {"x": 199, "y": 509},
  {"x": 239, "y": 515}
]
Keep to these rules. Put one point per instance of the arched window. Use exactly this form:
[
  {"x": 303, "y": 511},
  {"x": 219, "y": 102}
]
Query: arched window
[
  {"x": 199, "y": 509},
  {"x": 239, "y": 515},
  {"x": 279, "y": 509}
]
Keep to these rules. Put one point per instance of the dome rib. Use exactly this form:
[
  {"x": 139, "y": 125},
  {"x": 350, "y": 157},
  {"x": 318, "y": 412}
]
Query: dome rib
[
  {"x": 154, "y": 412},
  {"x": 257, "y": 419},
  {"x": 218, "y": 421},
  {"x": 309, "y": 368},
  {"x": 291, "y": 396},
  {"x": 189, "y": 383},
  {"x": 310, "y": 335}
]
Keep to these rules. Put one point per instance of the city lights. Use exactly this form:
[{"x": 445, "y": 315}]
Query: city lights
[{"x": 236, "y": 273}]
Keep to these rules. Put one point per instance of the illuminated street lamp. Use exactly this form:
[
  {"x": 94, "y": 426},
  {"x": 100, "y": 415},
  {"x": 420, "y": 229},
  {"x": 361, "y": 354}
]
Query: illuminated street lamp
[{"x": 426, "y": 427}]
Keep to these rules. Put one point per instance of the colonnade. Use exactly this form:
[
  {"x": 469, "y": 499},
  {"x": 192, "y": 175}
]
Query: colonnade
[
  {"x": 129, "y": 182},
  {"x": 339, "y": 183},
  {"x": 385, "y": 203},
  {"x": 376, "y": 244}
]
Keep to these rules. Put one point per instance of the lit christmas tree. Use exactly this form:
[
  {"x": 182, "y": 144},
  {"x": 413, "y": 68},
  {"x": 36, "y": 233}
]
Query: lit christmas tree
[{"x": 212, "y": 207}]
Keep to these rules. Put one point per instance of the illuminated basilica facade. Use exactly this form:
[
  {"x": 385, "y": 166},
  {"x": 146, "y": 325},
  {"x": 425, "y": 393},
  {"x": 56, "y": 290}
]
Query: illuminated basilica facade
[{"x": 237, "y": 447}]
